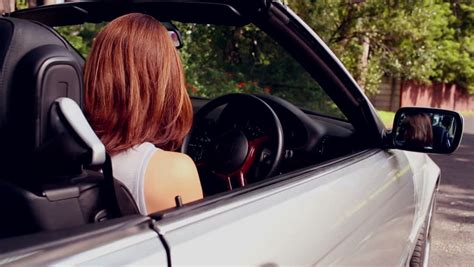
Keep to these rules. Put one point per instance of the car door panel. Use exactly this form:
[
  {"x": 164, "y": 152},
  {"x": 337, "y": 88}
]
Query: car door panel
[
  {"x": 320, "y": 217},
  {"x": 123, "y": 241},
  {"x": 139, "y": 249},
  {"x": 426, "y": 176}
]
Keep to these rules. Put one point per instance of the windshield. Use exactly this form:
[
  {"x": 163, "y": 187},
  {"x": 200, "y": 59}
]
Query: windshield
[{"x": 227, "y": 59}]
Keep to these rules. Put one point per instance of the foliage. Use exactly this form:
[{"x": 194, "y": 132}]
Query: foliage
[
  {"x": 459, "y": 65},
  {"x": 411, "y": 40},
  {"x": 80, "y": 36},
  {"x": 21, "y": 4},
  {"x": 220, "y": 59}
]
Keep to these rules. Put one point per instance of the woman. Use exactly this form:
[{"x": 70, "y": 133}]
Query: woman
[
  {"x": 136, "y": 101},
  {"x": 418, "y": 131}
]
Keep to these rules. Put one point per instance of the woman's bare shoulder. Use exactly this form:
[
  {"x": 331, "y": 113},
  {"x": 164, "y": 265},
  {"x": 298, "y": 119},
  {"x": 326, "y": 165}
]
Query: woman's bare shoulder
[
  {"x": 170, "y": 174},
  {"x": 173, "y": 162}
]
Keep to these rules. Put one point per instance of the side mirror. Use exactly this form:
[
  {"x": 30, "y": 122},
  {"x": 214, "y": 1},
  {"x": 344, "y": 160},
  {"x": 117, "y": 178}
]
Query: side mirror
[{"x": 427, "y": 130}]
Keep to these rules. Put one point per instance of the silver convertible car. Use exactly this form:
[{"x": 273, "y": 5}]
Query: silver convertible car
[{"x": 295, "y": 164}]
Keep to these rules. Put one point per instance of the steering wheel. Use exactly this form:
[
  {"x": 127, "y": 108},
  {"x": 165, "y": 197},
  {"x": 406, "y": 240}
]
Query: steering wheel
[{"x": 230, "y": 150}]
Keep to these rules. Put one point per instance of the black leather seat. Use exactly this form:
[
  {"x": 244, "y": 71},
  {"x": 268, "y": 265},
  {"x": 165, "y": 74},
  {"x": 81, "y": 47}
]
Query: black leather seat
[{"x": 44, "y": 151}]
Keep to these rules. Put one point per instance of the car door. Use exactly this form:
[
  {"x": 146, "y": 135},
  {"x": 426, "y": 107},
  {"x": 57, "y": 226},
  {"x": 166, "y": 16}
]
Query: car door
[
  {"x": 123, "y": 241},
  {"x": 357, "y": 209},
  {"x": 354, "y": 210}
]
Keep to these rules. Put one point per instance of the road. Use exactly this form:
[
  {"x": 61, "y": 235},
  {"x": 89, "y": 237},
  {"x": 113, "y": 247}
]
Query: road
[{"x": 452, "y": 233}]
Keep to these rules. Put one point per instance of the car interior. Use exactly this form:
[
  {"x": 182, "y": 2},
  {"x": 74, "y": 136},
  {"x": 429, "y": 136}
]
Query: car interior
[{"x": 50, "y": 169}]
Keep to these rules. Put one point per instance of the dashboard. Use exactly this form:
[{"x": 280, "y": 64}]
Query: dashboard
[{"x": 308, "y": 138}]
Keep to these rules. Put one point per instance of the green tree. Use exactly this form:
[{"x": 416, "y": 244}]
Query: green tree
[
  {"x": 456, "y": 52},
  {"x": 80, "y": 36},
  {"x": 411, "y": 40}
]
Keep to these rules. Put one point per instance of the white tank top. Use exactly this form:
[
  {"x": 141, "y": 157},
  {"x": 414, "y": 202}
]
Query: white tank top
[{"x": 129, "y": 167}]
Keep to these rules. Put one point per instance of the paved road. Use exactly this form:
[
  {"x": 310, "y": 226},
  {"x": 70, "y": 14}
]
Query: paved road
[{"x": 452, "y": 235}]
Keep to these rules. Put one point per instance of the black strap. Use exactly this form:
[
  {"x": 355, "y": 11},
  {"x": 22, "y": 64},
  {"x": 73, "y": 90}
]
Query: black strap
[
  {"x": 125, "y": 199},
  {"x": 112, "y": 200},
  {"x": 123, "y": 202}
]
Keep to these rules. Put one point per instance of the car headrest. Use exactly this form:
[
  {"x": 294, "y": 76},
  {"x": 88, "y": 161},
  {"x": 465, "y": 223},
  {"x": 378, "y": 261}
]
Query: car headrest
[
  {"x": 74, "y": 118},
  {"x": 37, "y": 66},
  {"x": 74, "y": 143}
]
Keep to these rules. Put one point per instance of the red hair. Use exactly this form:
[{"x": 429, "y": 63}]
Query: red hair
[
  {"x": 134, "y": 86},
  {"x": 419, "y": 131}
]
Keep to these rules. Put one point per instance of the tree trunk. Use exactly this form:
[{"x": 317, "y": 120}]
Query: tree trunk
[
  {"x": 7, "y": 6},
  {"x": 363, "y": 61}
]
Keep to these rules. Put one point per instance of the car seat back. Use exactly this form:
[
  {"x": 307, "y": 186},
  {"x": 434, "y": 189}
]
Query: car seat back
[
  {"x": 43, "y": 183},
  {"x": 36, "y": 67}
]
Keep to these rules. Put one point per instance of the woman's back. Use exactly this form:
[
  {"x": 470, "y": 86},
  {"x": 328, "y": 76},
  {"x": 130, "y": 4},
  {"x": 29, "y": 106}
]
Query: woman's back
[{"x": 155, "y": 177}]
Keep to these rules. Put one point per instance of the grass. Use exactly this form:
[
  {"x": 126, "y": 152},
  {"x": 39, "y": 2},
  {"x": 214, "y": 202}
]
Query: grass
[
  {"x": 467, "y": 113},
  {"x": 387, "y": 118}
]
